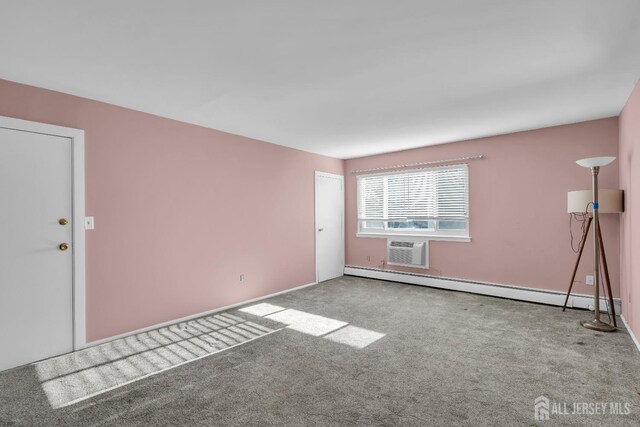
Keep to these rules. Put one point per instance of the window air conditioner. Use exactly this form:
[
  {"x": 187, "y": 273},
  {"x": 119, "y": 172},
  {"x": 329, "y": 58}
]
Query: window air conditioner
[{"x": 407, "y": 253}]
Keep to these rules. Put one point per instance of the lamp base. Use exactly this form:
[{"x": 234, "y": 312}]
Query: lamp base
[{"x": 598, "y": 325}]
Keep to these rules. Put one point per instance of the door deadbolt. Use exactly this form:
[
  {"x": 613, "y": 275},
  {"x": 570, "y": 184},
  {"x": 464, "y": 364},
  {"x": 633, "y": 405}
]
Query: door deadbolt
[
  {"x": 63, "y": 246},
  {"x": 63, "y": 221}
]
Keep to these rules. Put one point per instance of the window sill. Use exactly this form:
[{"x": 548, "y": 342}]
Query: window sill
[{"x": 443, "y": 238}]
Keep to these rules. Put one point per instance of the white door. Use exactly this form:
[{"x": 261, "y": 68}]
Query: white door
[
  {"x": 329, "y": 226},
  {"x": 36, "y": 288}
]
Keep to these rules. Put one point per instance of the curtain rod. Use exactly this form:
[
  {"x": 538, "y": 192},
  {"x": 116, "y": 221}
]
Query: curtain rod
[{"x": 433, "y": 162}]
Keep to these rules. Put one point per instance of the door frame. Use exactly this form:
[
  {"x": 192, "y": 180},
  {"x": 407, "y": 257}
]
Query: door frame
[
  {"x": 78, "y": 200},
  {"x": 315, "y": 229}
]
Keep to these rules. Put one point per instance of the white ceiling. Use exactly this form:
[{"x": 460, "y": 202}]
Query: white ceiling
[{"x": 345, "y": 78}]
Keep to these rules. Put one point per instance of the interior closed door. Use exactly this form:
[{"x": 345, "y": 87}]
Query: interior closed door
[
  {"x": 329, "y": 226},
  {"x": 36, "y": 288}
]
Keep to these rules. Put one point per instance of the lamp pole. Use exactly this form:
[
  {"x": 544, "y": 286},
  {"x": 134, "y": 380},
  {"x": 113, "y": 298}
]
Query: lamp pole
[
  {"x": 596, "y": 241},
  {"x": 596, "y": 323}
]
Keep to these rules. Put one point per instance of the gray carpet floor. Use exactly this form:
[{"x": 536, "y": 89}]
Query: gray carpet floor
[{"x": 349, "y": 351}]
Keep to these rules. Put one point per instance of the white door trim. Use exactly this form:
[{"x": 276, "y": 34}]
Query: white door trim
[
  {"x": 78, "y": 244},
  {"x": 315, "y": 221}
]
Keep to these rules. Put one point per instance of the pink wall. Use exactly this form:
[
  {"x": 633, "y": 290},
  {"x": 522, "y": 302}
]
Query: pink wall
[
  {"x": 630, "y": 226},
  {"x": 518, "y": 223},
  {"x": 181, "y": 211}
]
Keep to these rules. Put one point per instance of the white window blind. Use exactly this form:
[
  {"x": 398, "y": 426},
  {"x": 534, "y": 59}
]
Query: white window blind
[{"x": 431, "y": 201}]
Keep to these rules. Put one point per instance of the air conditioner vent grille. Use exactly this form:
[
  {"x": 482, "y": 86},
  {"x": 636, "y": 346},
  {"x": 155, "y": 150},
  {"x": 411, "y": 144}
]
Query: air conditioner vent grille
[
  {"x": 408, "y": 253},
  {"x": 398, "y": 244}
]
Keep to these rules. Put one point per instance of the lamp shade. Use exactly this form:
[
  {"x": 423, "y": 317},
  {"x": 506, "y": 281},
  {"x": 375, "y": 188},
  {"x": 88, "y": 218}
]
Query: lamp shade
[
  {"x": 592, "y": 162},
  {"x": 609, "y": 201}
]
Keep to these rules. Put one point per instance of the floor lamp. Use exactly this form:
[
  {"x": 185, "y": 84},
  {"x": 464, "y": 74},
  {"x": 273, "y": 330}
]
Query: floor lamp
[
  {"x": 609, "y": 201},
  {"x": 595, "y": 163}
]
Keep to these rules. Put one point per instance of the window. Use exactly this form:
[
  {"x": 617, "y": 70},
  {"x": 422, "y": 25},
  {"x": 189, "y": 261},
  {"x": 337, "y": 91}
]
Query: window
[{"x": 423, "y": 202}]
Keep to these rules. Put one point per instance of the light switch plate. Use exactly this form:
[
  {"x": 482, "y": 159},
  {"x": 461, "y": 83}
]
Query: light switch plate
[
  {"x": 88, "y": 223},
  {"x": 589, "y": 280}
]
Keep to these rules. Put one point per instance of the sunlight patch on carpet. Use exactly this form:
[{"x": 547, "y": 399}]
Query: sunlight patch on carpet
[
  {"x": 77, "y": 376},
  {"x": 354, "y": 336},
  {"x": 318, "y": 326}
]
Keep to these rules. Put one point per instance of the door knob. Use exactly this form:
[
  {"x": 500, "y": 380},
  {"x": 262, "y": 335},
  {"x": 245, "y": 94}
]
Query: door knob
[
  {"x": 63, "y": 246},
  {"x": 320, "y": 229},
  {"x": 63, "y": 221}
]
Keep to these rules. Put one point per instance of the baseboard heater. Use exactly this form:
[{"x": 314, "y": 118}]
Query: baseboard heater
[{"x": 519, "y": 293}]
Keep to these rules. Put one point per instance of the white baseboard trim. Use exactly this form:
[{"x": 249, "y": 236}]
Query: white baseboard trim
[
  {"x": 190, "y": 317},
  {"x": 633, "y": 337},
  {"x": 541, "y": 296}
]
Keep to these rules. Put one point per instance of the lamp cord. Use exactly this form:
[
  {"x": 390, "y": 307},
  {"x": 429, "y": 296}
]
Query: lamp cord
[{"x": 582, "y": 218}]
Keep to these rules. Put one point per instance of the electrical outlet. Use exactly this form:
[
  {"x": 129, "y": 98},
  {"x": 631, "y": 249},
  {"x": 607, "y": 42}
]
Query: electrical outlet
[
  {"x": 242, "y": 277},
  {"x": 589, "y": 280},
  {"x": 368, "y": 257}
]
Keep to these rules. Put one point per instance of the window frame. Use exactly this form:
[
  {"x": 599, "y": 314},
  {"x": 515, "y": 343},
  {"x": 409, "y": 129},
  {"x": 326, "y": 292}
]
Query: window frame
[{"x": 436, "y": 233}]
